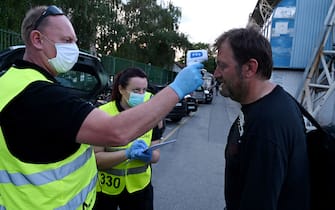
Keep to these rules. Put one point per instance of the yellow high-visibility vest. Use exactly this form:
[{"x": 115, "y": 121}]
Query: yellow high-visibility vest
[
  {"x": 134, "y": 175},
  {"x": 65, "y": 184}
]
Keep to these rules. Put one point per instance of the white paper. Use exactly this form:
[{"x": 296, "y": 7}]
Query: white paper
[{"x": 156, "y": 146}]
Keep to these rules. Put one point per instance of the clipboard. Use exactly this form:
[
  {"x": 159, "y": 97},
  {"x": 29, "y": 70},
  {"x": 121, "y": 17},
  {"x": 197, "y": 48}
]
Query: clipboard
[{"x": 156, "y": 146}]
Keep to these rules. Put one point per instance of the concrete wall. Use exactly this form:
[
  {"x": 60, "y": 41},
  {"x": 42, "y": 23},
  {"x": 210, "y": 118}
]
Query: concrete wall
[{"x": 289, "y": 80}]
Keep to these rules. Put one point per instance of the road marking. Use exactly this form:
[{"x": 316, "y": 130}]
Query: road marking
[{"x": 182, "y": 122}]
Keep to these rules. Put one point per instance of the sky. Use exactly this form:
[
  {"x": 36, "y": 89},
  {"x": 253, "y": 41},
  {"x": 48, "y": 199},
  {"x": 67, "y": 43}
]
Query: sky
[{"x": 204, "y": 20}]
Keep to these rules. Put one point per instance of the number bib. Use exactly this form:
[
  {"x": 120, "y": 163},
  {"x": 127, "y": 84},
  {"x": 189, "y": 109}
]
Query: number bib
[
  {"x": 114, "y": 184},
  {"x": 110, "y": 184}
]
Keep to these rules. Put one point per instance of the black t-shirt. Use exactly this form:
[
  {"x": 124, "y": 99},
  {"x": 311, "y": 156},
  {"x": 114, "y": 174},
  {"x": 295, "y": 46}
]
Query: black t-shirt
[
  {"x": 40, "y": 124},
  {"x": 267, "y": 167}
]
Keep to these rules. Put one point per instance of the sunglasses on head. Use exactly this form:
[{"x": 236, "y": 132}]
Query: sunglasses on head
[{"x": 51, "y": 10}]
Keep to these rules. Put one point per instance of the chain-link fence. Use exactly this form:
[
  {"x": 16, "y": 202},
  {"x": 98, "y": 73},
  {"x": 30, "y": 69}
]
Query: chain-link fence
[{"x": 112, "y": 65}]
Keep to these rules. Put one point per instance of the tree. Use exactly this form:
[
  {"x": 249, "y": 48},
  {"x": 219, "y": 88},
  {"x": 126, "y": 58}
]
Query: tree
[
  {"x": 12, "y": 13},
  {"x": 152, "y": 35},
  {"x": 84, "y": 17},
  {"x": 140, "y": 30},
  {"x": 110, "y": 29}
]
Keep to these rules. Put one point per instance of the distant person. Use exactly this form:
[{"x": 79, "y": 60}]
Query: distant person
[
  {"x": 266, "y": 155},
  {"x": 46, "y": 160},
  {"x": 125, "y": 171}
]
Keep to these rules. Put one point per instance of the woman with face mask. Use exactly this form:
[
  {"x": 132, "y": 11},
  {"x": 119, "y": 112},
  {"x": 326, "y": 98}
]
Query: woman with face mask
[{"x": 124, "y": 171}]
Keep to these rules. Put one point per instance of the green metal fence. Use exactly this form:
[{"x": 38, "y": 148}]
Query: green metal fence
[
  {"x": 9, "y": 38},
  {"x": 112, "y": 64},
  {"x": 157, "y": 75}
]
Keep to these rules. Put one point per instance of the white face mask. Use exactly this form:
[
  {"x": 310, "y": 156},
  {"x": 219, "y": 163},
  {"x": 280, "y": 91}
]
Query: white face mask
[{"x": 67, "y": 56}]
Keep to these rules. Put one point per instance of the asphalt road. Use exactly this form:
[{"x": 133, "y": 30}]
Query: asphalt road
[{"x": 190, "y": 173}]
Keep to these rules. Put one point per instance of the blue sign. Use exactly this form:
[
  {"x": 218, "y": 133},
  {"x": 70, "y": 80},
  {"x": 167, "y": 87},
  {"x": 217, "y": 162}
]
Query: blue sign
[{"x": 196, "y": 54}]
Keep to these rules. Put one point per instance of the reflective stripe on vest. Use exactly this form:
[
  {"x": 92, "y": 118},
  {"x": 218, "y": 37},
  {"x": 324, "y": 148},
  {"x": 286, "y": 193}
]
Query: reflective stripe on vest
[
  {"x": 79, "y": 199},
  {"x": 123, "y": 172},
  {"x": 45, "y": 177},
  {"x": 113, "y": 149}
]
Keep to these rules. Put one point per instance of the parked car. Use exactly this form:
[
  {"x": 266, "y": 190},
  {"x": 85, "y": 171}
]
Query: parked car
[
  {"x": 199, "y": 95},
  {"x": 159, "y": 129},
  {"x": 192, "y": 104},
  {"x": 87, "y": 79},
  {"x": 209, "y": 96},
  {"x": 178, "y": 112},
  {"x": 155, "y": 88},
  {"x": 208, "y": 85},
  {"x": 182, "y": 108},
  {"x": 202, "y": 95}
]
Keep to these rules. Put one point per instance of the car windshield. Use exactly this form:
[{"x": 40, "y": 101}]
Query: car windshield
[{"x": 78, "y": 80}]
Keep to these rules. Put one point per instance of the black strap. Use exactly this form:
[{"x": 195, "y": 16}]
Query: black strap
[{"x": 307, "y": 114}]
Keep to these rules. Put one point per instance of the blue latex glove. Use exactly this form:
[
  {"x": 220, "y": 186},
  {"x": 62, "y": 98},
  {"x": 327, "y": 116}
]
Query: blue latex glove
[
  {"x": 144, "y": 156},
  {"x": 137, "y": 151},
  {"x": 187, "y": 80}
]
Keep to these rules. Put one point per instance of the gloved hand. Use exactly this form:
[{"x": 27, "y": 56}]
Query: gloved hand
[
  {"x": 144, "y": 156},
  {"x": 187, "y": 80},
  {"x": 137, "y": 151}
]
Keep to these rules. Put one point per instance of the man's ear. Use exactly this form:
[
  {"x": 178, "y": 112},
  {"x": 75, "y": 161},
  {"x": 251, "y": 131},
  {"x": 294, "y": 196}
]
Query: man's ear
[
  {"x": 250, "y": 68},
  {"x": 35, "y": 39}
]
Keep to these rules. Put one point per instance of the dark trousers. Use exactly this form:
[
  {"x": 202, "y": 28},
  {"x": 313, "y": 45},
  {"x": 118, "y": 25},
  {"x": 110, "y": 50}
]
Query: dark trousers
[{"x": 140, "y": 200}]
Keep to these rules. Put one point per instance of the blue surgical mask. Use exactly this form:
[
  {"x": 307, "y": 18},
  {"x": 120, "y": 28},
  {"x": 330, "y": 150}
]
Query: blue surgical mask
[{"x": 135, "y": 99}]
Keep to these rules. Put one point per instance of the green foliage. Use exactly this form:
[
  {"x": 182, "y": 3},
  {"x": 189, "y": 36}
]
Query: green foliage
[
  {"x": 12, "y": 13},
  {"x": 141, "y": 30},
  {"x": 84, "y": 19},
  {"x": 152, "y": 35}
]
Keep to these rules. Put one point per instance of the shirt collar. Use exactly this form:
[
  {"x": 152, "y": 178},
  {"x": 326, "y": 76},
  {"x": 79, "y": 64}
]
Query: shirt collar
[{"x": 22, "y": 64}]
